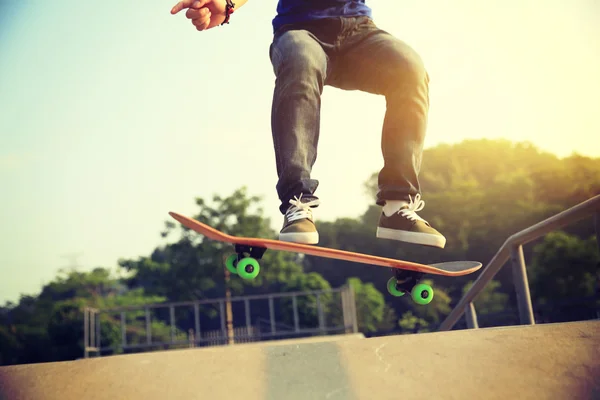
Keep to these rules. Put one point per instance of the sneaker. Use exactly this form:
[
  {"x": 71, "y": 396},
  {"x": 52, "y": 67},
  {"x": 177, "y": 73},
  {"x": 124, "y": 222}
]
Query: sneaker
[
  {"x": 399, "y": 221},
  {"x": 298, "y": 223}
]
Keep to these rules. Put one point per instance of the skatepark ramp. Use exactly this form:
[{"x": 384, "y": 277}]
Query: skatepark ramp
[{"x": 552, "y": 361}]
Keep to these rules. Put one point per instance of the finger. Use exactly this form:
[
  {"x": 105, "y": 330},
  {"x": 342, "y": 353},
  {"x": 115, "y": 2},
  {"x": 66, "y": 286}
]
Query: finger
[
  {"x": 182, "y": 5},
  {"x": 195, "y": 14},
  {"x": 200, "y": 3},
  {"x": 202, "y": 23}
]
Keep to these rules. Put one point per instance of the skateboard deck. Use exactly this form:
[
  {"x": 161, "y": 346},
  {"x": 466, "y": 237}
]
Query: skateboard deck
[{"x": 407, "y": 273}]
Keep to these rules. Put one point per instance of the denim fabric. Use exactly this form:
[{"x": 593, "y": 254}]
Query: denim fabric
[
  {"x": 295, "y": 11},
  {"x": 349, "y": 53}
]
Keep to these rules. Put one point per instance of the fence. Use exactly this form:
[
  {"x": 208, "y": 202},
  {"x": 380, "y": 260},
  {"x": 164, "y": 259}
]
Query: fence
[{"x": 317, "y": 309}]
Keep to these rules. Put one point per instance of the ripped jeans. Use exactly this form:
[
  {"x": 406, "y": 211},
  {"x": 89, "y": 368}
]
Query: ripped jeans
[{"x": 349, "y": 54}]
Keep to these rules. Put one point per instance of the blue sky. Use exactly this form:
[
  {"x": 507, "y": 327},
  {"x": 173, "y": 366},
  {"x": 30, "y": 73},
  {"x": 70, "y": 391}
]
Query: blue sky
[{"x": 113, "y": 114}]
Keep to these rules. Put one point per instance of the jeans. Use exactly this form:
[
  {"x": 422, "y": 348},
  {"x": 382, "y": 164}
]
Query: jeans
[{"x": 349, "y": 54}]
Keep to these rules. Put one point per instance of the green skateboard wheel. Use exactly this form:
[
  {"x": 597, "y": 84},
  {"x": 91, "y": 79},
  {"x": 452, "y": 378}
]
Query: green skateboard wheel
[
  {"x": 422, "y": 293},
  {"x": 230, "y": 263},
  {"x": 248, "y": 268},
  {"x": 391, "y": 287}
]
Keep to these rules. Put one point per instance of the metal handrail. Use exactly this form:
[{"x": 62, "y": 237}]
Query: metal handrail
[{"x": 513, "y": 249}]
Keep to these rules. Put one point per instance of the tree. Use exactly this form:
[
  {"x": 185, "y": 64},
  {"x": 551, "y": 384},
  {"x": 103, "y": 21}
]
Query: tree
[
  {"x": 307, "y": 307},
  {"x": 491, "y": 304},
  {"x": 193, "y": 267},
  {"x": 371, "y": 310},
  {"x": 49, "y": 327},
  {"x": 410, "y": 323},
  {"x": 435, "y": 311},
  {"x": 420, "y": 318},
  {"x": 489, "y": 300},
  {"x": 564, "y": 277},
  {"x": 480, "y": 192}
]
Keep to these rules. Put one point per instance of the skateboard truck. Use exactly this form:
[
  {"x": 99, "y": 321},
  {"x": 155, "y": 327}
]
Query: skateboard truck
[
  {"x": 406, "y": 281},
  {"x": 245, "y": 262},
  {"x": 254, "y": 252}
]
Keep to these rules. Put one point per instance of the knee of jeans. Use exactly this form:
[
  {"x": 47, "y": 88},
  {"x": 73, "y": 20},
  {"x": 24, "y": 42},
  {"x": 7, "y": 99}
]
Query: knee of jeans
[
  {"x": 408, "y": 72},
  {"x": 297, "y": 53}
]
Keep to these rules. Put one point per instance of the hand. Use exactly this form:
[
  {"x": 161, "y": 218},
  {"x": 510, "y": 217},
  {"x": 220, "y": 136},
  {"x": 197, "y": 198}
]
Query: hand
[{"x": 204, "y": 14}]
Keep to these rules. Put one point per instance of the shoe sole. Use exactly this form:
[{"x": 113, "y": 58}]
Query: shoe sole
[
  {"x": 426, "y": 239},
  {"x": 300, "y": 237}
]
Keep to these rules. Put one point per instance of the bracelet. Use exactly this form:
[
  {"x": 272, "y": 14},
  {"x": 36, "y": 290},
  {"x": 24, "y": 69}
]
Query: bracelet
[{"x": 228, "y": 11}]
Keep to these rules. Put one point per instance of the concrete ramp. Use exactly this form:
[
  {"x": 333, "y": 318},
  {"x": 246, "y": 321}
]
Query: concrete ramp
[{"x": 554, "y": 361}]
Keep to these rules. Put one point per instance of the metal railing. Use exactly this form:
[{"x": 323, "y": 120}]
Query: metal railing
[
  {"x": 513, "y": 249},
  {"x": 92, "y": 331}
]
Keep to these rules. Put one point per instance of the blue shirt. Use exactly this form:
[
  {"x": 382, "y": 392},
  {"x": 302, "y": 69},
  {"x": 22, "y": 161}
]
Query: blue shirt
[{"x": 293, "y": 11}]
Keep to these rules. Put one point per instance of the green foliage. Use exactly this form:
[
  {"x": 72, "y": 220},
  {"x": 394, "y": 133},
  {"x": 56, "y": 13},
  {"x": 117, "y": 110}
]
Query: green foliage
[
  {"x": 564, "y": 266},
  {"x": 11, "y": 347},
  {"x": 435, "y": 311},
  {"x": 480, "y": 192},
  {"x": 307, "y": 304},
  {"x": 71, "y": 284},
  {"x": 490, "y": 300},
  {"x": 564, "y": 278},
  {"x": 194, "y": 267},
  {"x": 370, "y": 306},
  {"x": 410, "y": 323},
  {"x": 49, "y": 327}
]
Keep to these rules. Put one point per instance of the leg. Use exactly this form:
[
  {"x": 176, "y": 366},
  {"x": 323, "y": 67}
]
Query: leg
[
  {"x": 374, "y": 61},
  {"x": 300, "y": 63},
  {"x": 300, "y": 66}
]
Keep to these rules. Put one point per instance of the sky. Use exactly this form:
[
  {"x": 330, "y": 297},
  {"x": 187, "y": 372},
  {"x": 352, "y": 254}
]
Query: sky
[{"x": 112, "y": 114}]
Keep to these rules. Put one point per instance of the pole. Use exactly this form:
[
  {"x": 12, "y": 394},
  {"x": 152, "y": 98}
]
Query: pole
[
  {"x": 521, "y": 285},
  {"x": 228, "y": 310}
]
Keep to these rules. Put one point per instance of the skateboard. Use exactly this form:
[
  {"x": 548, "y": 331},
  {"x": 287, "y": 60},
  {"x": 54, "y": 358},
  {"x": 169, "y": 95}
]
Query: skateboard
[{"x": 406, "y": 279}]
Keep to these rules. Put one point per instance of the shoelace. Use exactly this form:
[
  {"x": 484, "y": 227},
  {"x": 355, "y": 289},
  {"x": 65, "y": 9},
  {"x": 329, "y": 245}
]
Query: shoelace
[
  {"x": 300, "y": 210},
  {"x": 410, "y": 212}
]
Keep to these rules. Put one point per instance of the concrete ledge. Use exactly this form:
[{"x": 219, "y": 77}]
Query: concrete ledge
[
  {"x": 553, "y": 361},
  {"x": 306, "y": 340}
]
